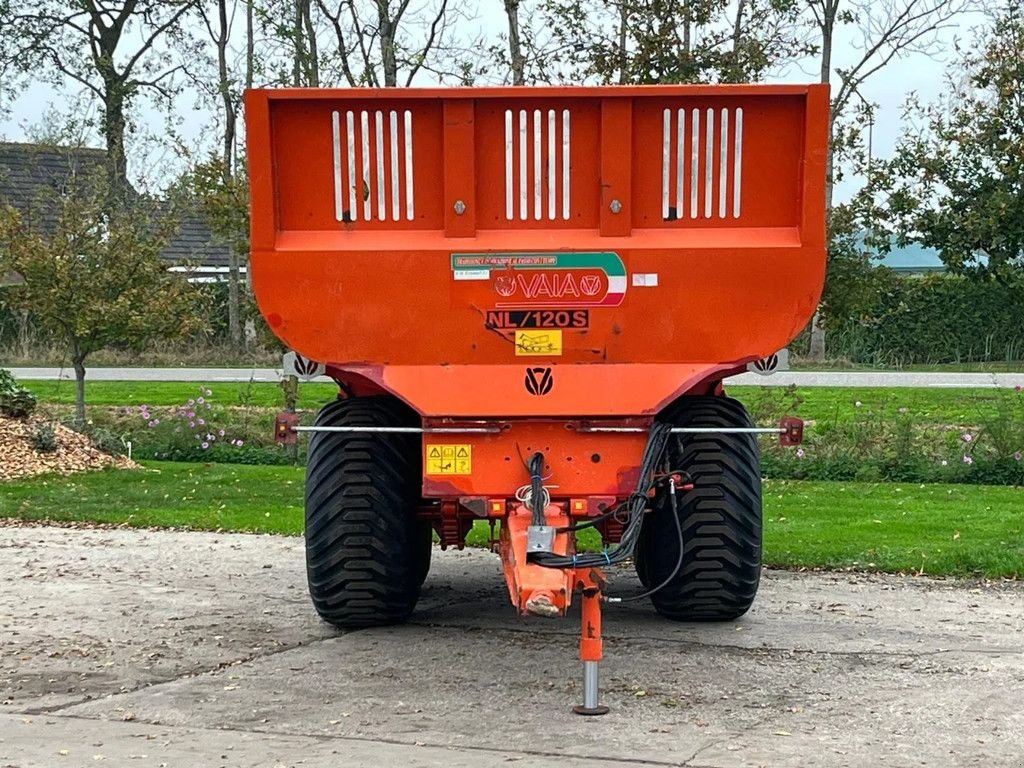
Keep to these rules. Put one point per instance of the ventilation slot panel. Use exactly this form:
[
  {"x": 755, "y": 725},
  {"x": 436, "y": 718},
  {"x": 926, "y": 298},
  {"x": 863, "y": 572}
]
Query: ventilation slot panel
[
  {"x": 701, "y": 163},
  {"x": 373, "y": 165},
  {"x": 537, "y": 171}
]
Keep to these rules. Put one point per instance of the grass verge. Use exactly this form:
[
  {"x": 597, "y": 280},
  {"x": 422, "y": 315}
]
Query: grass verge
[{"x": 932, "y": 529}]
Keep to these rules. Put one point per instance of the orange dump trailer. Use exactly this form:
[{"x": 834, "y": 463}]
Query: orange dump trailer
[{"x": 529, "y": 299}]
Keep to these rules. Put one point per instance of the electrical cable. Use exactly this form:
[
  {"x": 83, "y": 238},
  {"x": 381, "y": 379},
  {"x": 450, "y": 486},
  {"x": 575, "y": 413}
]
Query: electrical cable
[
  {"x": 657, "y": 443},
  {"x": 679, "y": 561},
  {"x": 538, "y": 498}
]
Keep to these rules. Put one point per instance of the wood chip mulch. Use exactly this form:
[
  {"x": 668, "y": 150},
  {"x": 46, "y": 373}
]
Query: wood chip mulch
[{"x": 75, "y": 452}]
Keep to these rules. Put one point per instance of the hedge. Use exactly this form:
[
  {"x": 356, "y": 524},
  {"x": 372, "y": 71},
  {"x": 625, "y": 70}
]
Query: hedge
[{"x": 936, "y": 319}]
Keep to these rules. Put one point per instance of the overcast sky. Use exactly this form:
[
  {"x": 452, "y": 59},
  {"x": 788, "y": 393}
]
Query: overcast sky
[{"x": 888, "y": 89}]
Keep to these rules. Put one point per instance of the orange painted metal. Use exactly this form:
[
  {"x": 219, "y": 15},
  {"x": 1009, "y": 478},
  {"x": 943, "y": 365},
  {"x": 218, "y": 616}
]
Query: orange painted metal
[
  {"x": 534, "y": 589},
  {"x": 578, "y": 463},
  {"x": 591, "y": 644},
  {"x": 674, "y": 300}
]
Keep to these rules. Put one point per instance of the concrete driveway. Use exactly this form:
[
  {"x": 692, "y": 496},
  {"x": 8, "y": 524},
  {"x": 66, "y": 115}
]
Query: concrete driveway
[{"x": 126, "y": 648}]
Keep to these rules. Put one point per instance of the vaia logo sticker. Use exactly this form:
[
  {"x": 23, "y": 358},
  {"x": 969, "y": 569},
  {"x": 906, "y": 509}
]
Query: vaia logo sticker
[
  {"x": 540, "y": 280},
  {"x": 548, "y": 285},
  {"x": 539, "y": 381}
]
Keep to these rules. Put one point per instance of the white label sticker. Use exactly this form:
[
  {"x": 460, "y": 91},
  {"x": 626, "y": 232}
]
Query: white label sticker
[
  {"x": 472, "y": 274},
  {"x": 645, "y": 280}
]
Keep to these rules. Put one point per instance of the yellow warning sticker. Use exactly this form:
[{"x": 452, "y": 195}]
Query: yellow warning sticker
[
  {"x": 539, "y": 342},
  {"x": 449, "y": 459}
]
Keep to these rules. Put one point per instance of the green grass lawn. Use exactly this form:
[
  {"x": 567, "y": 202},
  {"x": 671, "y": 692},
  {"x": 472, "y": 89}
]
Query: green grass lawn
[
  {"x": 157, "y": 393},
  {"x": 941, "y": 406},
  {"x": 935, "y": 529},
  {"x": 924, "y": 404}
]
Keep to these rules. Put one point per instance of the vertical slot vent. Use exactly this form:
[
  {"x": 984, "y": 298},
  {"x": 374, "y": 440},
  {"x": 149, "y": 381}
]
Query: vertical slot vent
[
  {"x": 701, "y": 163},
  {"x": 537, "y": 168},
  {"x": 373, "y": 165}
]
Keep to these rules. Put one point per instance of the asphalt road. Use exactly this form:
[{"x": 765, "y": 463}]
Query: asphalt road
[
  {"x": 801, "y": 378},
  {"x": 124, "y": 648}
]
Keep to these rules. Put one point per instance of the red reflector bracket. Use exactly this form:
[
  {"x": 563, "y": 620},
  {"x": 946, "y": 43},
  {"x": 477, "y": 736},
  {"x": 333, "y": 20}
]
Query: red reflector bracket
[
  {"x": 792, "y": 431},
  {"x": 284, "y": 428}
]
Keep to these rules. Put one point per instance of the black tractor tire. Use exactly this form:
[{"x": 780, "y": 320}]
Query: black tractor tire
[
  {"x": 367, "y": 553},
  {"x": 720, "y": 518}
]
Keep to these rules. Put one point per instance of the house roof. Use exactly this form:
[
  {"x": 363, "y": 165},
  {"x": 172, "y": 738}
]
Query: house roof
[
  {"x": 31, "y": 172},
  {"x": 913, "y": 258}
]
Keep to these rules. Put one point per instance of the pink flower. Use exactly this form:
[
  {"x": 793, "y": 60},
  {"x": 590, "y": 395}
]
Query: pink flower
[
  {"x": 240, "y": 443},
  {"x": 968, "y": 460},
  {"x": 192, "y": 424},
  {"x": 1017, "y": 388},
  {"x": 205, "y": 446},
  {"x": 191, "y": 414},
  {"x": 967, "y": 437}
]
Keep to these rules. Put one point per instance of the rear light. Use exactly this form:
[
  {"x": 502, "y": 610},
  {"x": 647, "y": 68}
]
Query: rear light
[{"x": 792, "y": 431}]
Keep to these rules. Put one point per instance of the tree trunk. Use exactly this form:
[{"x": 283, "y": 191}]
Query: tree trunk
[
  {"x": 78, "y": 361},
  {"x": 228, "y": 150},
  {"x": 736, "y": 76},
  {"x": 515, "y": 50},
  {"x": 829, "y": 9},
  {"x": 623, "y": 36},
  {"x": 687, "y": 30},
  {"x": 386, "y": 30},
  {"x": 250, "y": 44},
  {"x": 113, "y": 132},
  {"x": 224, "y": 87},
  {"x": 312, "y": 52},
  {"x": 234, "y": 301}
]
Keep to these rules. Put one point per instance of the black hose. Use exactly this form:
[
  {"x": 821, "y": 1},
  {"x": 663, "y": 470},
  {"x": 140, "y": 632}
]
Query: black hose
[
  {"x": 679, "y": 561},
  {"x": 657, "y": 442},
  {"x": 537, "y": 488}
]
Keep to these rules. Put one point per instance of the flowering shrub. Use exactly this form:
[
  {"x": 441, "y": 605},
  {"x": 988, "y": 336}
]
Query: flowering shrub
[
  {"x": 184, "y": 432},
  {"x": 881, "y": 444}
]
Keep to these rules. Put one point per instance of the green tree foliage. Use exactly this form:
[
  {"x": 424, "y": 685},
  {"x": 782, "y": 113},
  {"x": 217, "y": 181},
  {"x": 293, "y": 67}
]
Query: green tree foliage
[
  {"x": 94, "y": 279},
  {"x": 222, "y": 195},
  {"x": 854, "y": 280},
  {"x": 223, "y": 200},
  {"x": 115, "y": 50},
  {"x": 956, "y": 182},
  {"x": 672, "y": 41}
]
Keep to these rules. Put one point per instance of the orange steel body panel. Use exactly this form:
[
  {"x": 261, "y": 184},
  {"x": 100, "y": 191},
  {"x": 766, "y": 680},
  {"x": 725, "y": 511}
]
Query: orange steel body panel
[
  {"x": 625, "y": 244},
  {"x": 581, "y": 464}
]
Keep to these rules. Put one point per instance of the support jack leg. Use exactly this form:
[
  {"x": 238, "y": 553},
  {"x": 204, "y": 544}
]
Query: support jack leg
[{"x": 591, "y": 651}]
